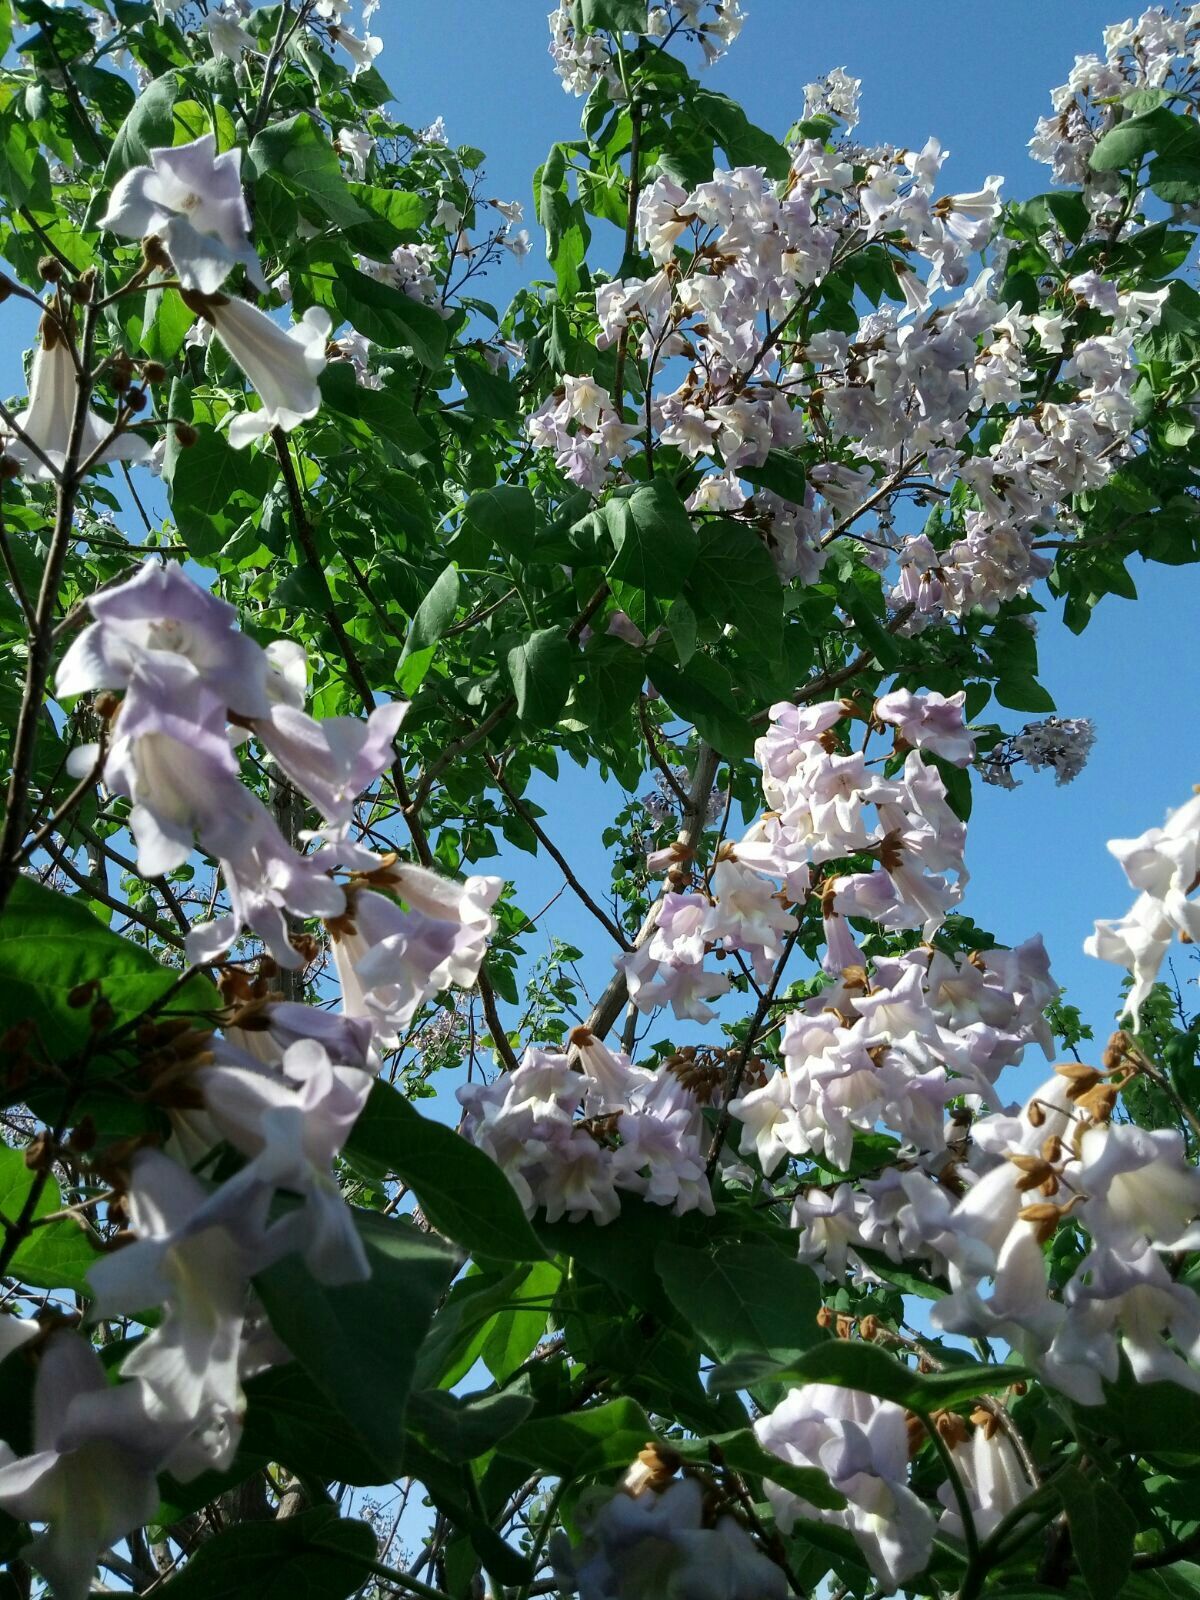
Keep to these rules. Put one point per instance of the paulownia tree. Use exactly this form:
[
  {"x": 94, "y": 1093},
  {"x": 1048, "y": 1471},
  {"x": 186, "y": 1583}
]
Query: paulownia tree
[{"x": 732, "y": 1270}]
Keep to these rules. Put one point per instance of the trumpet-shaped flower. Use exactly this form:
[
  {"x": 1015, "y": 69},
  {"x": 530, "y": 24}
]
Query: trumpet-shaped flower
[
  {"x": 48, "y": 419},
  {"x": 283, "y": 364},
  {"x": 192, "y": 198},
  {"x": 91, "y": 1474}
]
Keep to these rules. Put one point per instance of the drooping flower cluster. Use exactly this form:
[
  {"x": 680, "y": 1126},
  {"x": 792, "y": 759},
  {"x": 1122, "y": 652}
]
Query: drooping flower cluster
[
  {"x": 188, "y": 207},
  {"x": 1061, "y": 743},
  {"x": 1160, "y": 50},
  {"x": 1163, "y": 865},
  {"x": 574, "y": 1131},
  {"x": 820, "y": 799},
  {"x": 583, "y": 58},
  {"x": 663, "y": 1536},
  {"x": 862, "y": 1444},
  {"x": 281, "y": 1088}
]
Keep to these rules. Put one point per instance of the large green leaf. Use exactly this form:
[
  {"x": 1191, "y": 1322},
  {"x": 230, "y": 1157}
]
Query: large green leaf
[
  {"x": 654, "y": 541},
  {"x": 743, "y": 1298},
  {"x": 734, "y": 581},
  {"x": 603, "y": 1438},
  {"x": 358, "y": 1343},
  {"x": 462, "y": 1191},
  {"x": 50, "y": 944},
  {"x": 316, "y": 1555},
  {"x": 542, "y": 669},
  {"x": 506, "y": 516},
  {"x": 297, "y": 154},
  {"x": 1102, "y": 1531},
  {"x": 855, "y": 1365},
  {"x": 434, "y": 616},
  {"x": 389, "y": 317},
  {"x": 377, "y": 413},
  {"x": 703, "y": 695}
]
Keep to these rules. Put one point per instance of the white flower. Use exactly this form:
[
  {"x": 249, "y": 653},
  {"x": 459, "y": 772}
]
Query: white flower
[
  {"x": 361, "y": 51},
  {"x": 192, "y": 198},
  {"x": 91, "y": 1475},
  {"x": 48, "y": 418},
  {"x": 227, "y": 37},
  {"x": 356, "y": 144},
  {"x": 283, "y": 364}
]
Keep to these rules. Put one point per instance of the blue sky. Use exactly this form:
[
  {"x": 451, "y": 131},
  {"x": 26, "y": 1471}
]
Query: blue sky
[{"x": 977, "y": 76}]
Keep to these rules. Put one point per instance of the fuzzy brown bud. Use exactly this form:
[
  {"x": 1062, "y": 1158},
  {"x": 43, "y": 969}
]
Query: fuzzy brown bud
[
  {"x": 136, "y": 400},
  {"x": 50, "y": 269},
  {"x": 9, "y": 469},
  {"x": 185, "y": 435},
  {"x": 154, "y": 372},
  {"x": 82, "y": 994}
]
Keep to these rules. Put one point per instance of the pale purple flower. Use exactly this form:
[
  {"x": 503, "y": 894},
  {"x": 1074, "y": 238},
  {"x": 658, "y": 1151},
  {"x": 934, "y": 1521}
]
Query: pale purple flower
[{"x": 192, "y": 198}]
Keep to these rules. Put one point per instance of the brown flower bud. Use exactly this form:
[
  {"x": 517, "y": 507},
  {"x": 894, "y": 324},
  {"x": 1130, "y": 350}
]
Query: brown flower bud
[
  {"x": 154, "y": 252},
  {"x": 1036, "y": 1115},
  {"x": 136, "y": 399},
  {"x": 9, "y": 469},
  {"x": 869, "y": 1327},
  {"x": 952, "y": 1430},
  {"x": 50, "y": 269},
  {"x": 154, "y": 372},
  {"x": 824, "y": 1317},
  {"x": 185, "y": 435},
  {"x": 82, "y": 994},
  {"x": 106, "y": 704}
]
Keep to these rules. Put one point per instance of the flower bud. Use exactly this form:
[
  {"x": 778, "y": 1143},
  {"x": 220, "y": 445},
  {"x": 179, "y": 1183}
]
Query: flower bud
[
  {"x": 9, "y": 469},
  {"x": 185, "y": 435},
  {"x": 50, "y": 269},
  {"x": 155, "y": 372}
]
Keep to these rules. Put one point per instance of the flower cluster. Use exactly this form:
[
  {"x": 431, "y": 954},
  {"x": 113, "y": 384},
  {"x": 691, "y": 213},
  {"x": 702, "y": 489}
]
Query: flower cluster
[
  {"x": 1061, "y": 743},
  {"x": 583, "y": 58},
  {"x": 662, "y": 1535},
  {"x": 281, "y": 1088},
  {"x": 863, "y": 1443},
  {"x": 1158, "y": 51},
  {"x": 187, "y": 207},
  {"x": 1163, "y": 864},
  {"x": 573, "y": 1131},
  {"x": 820, "y": 797}
]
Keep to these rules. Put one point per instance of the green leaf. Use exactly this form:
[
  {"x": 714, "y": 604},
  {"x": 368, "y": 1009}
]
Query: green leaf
[
  {"x": 742, "y": 1451},
  {"x": 601, "y": 1439},
  {"x": 50, "y": 944},
  {"x": 742, "y": 1298},
  {"x": 394, "y": 216},
  {"x": 1023, "y": 693},
  {"x": 616, "y": 16},
  {"x": 734, "y": 581},
  {"x": 463, "y": 1428},
  {"x": 149, "y": 126},
  {"x": 316, "y": 1555},
  {"x": 506, "y": 516},
  {"x": 742, "y": 142},
  {"x": 56, "y": 1256},
  {"x": 518, "y": 1328},
  {"x": 1125, "y": 146},
  {"x": 434, "y": 616},
  {"x": 854, "y": 1365},
  {"x": 358, "y": 1343},
  {"x": 379, "y": 413},
  {"x": 212, "y": 486},
  {"x": 462, "y": 1191},
  {"x": 782, "y": 473},
  {"x": 1102, "y": 1531},
  {"x": 655, "y": 545},
  {"x": 703, "y": 695},
  {"x": 389, "y": 317},
  {"x": 542, "y": 669},
  {"x": 297, "y": 154}
]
